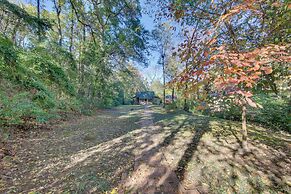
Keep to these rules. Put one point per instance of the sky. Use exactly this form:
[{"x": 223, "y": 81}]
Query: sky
[{"x": 153, "y": 70}]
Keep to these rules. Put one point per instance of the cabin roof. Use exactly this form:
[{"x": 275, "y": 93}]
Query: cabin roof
[{"x": 145, "y": 95}]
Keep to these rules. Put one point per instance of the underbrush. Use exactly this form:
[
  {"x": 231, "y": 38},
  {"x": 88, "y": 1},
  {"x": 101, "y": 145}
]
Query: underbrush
[
  {"x": 42, "y": 82},
  {"x": 275, "y": 113},
  {"x": 34, "y": 86}
]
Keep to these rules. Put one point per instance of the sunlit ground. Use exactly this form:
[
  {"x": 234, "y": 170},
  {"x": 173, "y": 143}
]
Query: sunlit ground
[
  {"x": 95, "y": 154},
  {"x": 206, "y": 154}
]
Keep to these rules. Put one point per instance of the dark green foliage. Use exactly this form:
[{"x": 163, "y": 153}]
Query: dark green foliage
[
  {"x": 41, "y": 62},
  {"x": 15, "y": 110},
  {"x": 34, "y": 69},
  {"x": 83, "y": 71},
  {"x": 7, "y": 52},
  {"x": 275, "y": 113},
  {"x": 38, "y": 80},
  {"x": 33, "y": 22}
]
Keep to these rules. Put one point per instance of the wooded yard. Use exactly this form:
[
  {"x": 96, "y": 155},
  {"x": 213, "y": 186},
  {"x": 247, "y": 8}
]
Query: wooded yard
[
  {"x": 213, "y": 77},
  {"x": 95, "y": 154}
]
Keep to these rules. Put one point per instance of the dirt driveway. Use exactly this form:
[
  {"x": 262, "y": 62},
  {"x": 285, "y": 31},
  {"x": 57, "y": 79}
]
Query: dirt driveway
[
  {"x": 133, "y": 149},
  {"x": 84, "y": 155}
]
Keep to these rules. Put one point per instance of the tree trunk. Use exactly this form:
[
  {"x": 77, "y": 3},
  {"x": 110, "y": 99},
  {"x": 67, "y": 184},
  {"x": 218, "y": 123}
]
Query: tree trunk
[
  {"x": 58, "y": 12},
  {"x": 82, "y": 62},
  {"x": 38, "y": 16},
  {"x": 173, "y": 95},
  {"x": 60, "y": 31},
  {"x": 72, "y": 32},
  {"x": 186, "y": 107},
  {"x": 123, "y": 98},
  {"x": 82, "y": 65},
  {"x": 244, "y": 128},
  {"x": 164, "y": 80}
]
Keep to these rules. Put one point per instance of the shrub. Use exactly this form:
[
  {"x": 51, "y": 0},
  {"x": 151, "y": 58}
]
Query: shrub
[
  {"x": 275, "y": 113},
  {"x": 15, "y": 110}
]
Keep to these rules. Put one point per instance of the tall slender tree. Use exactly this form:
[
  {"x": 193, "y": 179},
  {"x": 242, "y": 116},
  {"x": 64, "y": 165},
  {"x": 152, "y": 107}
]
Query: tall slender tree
[
  {"x": 162, "y": 37},
  {"x": 58, "y": 8},
  {"x": 38, "y": 6}
]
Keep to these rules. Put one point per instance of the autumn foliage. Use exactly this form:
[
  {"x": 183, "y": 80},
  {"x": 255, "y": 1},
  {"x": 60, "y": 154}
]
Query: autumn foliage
[
  {"x": 231, "y": 68},
  {"x": 230, "y": 47}
]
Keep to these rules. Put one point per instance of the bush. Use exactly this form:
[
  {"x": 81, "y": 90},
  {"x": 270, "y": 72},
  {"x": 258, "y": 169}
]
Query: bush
[
  {"x": 171, "y": 106},
  {"x": 274, "y": 114},
  {"x": 17, "y": 109}
]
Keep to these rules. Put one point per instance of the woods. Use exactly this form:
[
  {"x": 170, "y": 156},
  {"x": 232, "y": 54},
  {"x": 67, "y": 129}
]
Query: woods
[
  {"x": 231, "y": 52},
  {"x": 60, "y": 60},
  {"x": 54, "y": 55},
  {"x": 79, "y": 78}
]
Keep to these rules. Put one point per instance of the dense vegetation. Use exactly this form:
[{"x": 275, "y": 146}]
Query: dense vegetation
[
  {"x": 58, "y": 60},
  {"x": 233, "y": 59}
]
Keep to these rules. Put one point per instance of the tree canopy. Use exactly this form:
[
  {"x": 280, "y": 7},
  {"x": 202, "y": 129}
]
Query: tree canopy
[{"x": 75, "y": 54}]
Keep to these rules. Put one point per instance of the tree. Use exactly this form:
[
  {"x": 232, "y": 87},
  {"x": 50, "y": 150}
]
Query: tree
[
  {"x": 131, "y": 82},
  {"x": 162, "y": 37},
  {"x": 84, "y": 46},
  {"x": 173, "y": 66},
  {"x": 58, "y": 7},
  {"x": 158, "y": 87},
  {"x": 235, "y": 54},
  {"x": 38, "y": 17}
]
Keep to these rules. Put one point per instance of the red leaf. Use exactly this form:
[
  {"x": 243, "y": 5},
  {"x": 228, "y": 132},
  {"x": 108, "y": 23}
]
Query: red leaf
[
  {"x": 205, "y": 54},
  {"x": 251, "y": 103},
  {"x": 245, "y": 94},
  {"x": 256, "y": 67},
  {"x": 227, "y": 71},
  {"x": 249, "y": 85},
  {"x": 268, "y": 70}
]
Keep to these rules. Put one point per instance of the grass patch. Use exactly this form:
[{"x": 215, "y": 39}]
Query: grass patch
[{"x": 205, "y": 152}]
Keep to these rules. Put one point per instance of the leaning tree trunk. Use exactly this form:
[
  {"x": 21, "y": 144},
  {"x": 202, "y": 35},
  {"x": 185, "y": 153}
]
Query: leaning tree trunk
[
  {"x": 244, "y": 128},
  {"x": 58, "y": 8}
]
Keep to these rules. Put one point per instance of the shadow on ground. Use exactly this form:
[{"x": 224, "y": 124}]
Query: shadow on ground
[
  {"x": 96, "y": 154},
  {"x": 85, "y": 155}
]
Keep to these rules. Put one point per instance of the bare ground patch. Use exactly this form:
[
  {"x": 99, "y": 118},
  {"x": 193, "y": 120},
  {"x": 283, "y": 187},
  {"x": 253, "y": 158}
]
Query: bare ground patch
[{"x": 87, "y": 154}]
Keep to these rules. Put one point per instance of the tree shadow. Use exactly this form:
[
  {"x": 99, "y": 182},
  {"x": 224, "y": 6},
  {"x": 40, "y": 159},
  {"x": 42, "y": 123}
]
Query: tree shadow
[
  {"x": 102, "y": 166},
  {"x": 200, "y": 129},
  {"x": 169, "y": 182},
  {"x": 262, "y": 169},
  {"x": 153, "y": 174},
  {"x": 54, "y": 158}
]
